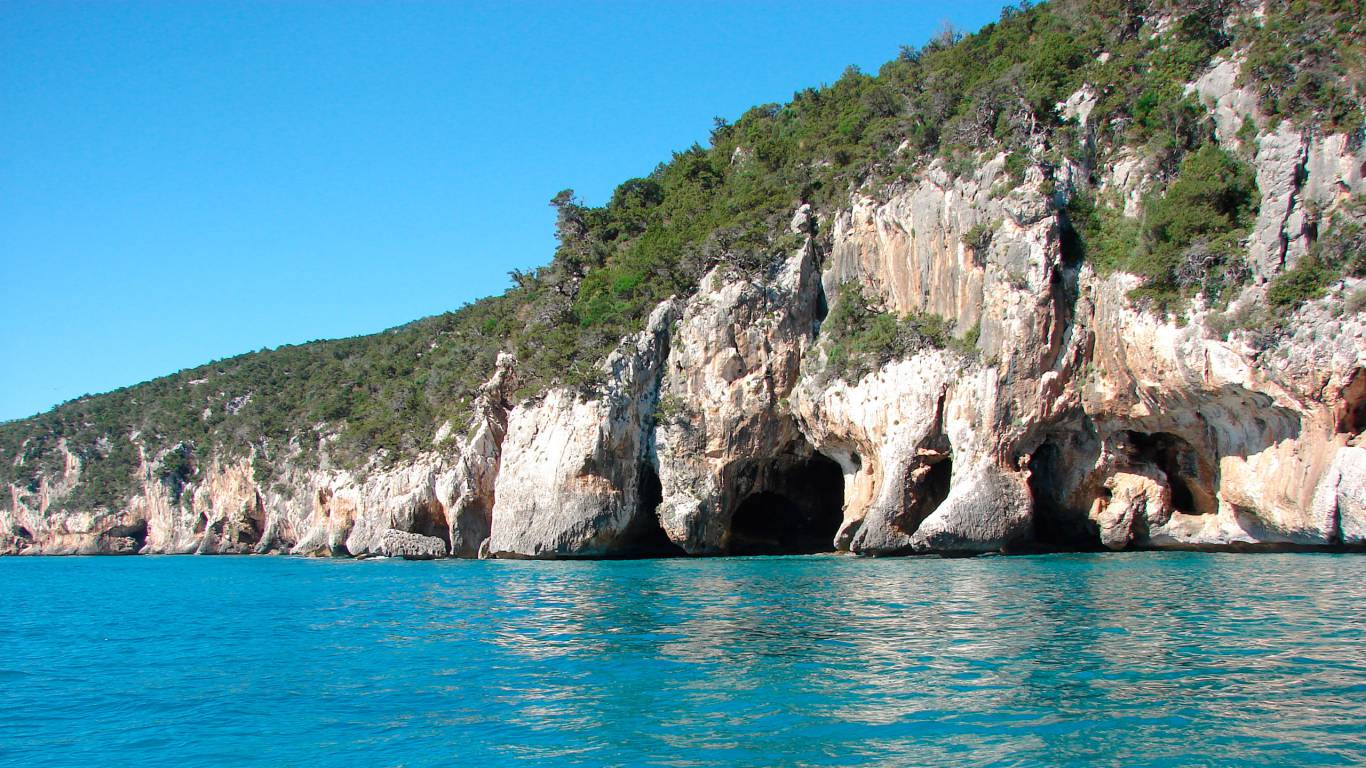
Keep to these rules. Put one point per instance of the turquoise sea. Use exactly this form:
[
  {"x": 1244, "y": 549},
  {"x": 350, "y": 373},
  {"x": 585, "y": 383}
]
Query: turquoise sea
[{"x": 1145, "y": 659}]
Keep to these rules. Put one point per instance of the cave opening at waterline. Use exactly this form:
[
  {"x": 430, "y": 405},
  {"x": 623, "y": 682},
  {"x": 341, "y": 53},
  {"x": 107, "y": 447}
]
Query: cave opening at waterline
[
  {"x": 1191, "y": 491},
  {"x": 926, "y": 491},
  {"x": 430, "y": 520},
  {"x": 1352, "y": 411},
  {"x": 795, "y": 507},
  {"x": 1056, "y": 524},
  {"x": 644, "y": 536},
  {"x": 136, "y": 531}
]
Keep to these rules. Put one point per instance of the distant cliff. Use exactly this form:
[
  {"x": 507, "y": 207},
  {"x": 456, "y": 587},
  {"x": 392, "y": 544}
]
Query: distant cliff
[{"x": 1092, "y": 277}]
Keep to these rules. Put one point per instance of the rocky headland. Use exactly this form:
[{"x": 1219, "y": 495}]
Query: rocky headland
[{"x": 1059, "y": 409}]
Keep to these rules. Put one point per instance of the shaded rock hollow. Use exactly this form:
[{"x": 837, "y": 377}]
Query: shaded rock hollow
[{"x": 1068, "y": 417}]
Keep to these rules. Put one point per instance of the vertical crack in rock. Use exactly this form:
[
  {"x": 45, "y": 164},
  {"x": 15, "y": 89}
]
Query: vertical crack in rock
[
  {"x": 472, "y": 490},
  {"x": 1299, "y": 173}
]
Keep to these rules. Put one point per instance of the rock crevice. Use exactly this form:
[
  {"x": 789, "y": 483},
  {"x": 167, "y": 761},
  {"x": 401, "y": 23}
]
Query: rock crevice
[{"x": 1059, "y": 414}]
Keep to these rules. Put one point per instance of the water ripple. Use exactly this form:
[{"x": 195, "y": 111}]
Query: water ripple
[{"x": 1157, "y": 659}]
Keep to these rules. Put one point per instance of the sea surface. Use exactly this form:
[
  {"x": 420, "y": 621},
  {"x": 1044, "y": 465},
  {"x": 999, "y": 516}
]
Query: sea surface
[{"x": 1145, "y": 659}]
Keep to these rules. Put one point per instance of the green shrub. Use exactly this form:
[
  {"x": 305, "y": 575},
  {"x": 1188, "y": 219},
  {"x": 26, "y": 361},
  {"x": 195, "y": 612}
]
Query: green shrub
[
  {"x": 861, "y": 337},
  {"x": 1305, "y": 282},
  {"x": 1305, "y": 61},
  {"x": 671, "y": 408},
  {"x": 978, "y": 237},
  {"x": 1355, "y": 302},
  {"x": 1189, "y": 239},
  {"x": 1107, "y": 238},
  {"x": 967, "y": 344},
  {"x": 727, "y": 204},
  {"x": 1247, "y": 134},
  {"x": 1342, "y": 246}
]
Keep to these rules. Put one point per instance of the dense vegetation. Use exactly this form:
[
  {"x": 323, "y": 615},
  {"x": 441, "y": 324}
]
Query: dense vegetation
[
  {"x": 1307, "y": 61},
  {"x": 957, "y": 99},
  {"x": 1189, "y": 238},
  {"x": 862, "y": 336}
]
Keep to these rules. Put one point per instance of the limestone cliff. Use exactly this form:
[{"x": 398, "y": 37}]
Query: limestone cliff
[{"x": 1064, "y": 414}]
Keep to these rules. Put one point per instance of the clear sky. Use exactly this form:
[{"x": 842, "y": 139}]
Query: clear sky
[{"x": 186, "y": 181}]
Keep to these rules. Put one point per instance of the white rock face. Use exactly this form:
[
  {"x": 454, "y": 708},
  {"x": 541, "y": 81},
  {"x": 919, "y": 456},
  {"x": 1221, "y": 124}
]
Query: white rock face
[
  {"x": 1275, "y": 237},
  {"x": 445, "y": 495},
  {"x": 1296, "y": 174},
  {"x": 1228, "y": 104},
  {"x": 911, "y": 250},
  {"x": 470, "y": 488},
  {"x": 37, "y": 523},
  {"x": 736, "y": 356},
  {"x": 571, "y": 478},
  {"x": 411, "y": 546},
  {"x": 1074, "y": 419}
]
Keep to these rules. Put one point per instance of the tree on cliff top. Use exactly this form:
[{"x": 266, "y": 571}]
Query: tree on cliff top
[{"x": 726, "y": 205}]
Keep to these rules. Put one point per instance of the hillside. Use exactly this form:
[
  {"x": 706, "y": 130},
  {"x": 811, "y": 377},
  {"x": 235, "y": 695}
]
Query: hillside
[{"x": 983, "y": 213}]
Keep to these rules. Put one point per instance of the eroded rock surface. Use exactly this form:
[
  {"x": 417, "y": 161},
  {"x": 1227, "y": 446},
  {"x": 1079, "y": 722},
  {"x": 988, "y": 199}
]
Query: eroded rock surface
[
  {"x": 1063, "y": 416},
  {"x": 410, "y": 546},
  {"x": 576, "y": 466},
  {"x": 729, "y": 432}
]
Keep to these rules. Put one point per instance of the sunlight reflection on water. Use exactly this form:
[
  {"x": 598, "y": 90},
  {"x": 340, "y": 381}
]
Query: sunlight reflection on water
[{"x": 1128, "y": 659}]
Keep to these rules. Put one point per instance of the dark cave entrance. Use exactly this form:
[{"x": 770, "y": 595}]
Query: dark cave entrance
[
  {"x": 430, "y": 520},
  {"x": 256, "y": 524},
  {"x": 645, "y": 536},
  {"x": 796, "y": 508},
  {"x": 1352, "y": 411},
  {"x": 136, "y": 531},
  {"x": 926, "y": 488},
  {"x": 1055, "y": 523},
  {"x": 1190, "y": 482}
]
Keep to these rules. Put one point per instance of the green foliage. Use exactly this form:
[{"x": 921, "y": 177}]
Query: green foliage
[
  {"x": 862, "y": 337},
  {"x": 1305, "y": 282},
  {"x": 177, "y": 468},
  {"x": 1247, "y": 133},
  {"x": 1189, "y": 239},
  {"x": 1307, "y": 62},
  {"x": 1355, "y": 302},
  {"x": 967, "y": 344},
  {"x": 978, "y": 237},
  {"x": 1108, "y": 238},
  {"x": 1141, "y": 95},
  {"x": 1343, "y": 245},
  {"x": 383, "y": 393},
  {"x": 1340, "y": 253},
  {"x": 726, "y": 206},
  {"x": 670, "y": 408},
  {"x": 1016, "y": 163},
  {"x": 1192, "y": 236}
]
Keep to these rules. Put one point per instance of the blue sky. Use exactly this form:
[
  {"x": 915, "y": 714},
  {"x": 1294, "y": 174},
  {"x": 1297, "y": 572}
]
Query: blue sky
[{"x": 181, "y": 182}]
